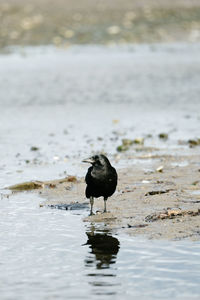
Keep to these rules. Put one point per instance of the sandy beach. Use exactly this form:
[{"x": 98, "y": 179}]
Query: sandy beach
[{"x": 162, "y": 202}]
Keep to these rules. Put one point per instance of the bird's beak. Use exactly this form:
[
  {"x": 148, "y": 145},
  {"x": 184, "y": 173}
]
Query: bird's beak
[{"x": 89, "y": 160}]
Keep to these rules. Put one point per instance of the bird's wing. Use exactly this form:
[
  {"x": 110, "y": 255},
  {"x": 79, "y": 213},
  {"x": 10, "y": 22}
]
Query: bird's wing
[
  {"x": 88, "y": 175},
  {"x": 114, "y": 174}
]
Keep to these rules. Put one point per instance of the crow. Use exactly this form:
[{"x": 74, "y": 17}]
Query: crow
[{"x": 101, "y": 179}]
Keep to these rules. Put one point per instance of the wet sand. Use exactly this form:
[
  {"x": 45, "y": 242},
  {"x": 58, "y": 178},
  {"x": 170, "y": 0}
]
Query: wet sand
[{"x": 143, "y": 198}]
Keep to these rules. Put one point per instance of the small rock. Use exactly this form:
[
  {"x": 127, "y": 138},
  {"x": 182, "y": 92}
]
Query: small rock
[
  {"x": 52, "y": 186},
  {"x": 127, "y": 142},
  {"x": 160, "y": 169},
  {"x": 122, "y": 148},
  {"x": 34, "y": 148},
  {"x": 139, "y": 141},
  {"x": 194, "y": 142},
  {"x": 163, "y": 136},
  {"x": 195, "y": 182},
  {"x": 71, "y": 179},
  {"x": 157, "y": 192}
]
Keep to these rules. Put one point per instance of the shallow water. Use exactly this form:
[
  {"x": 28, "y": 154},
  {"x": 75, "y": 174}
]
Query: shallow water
[
  {"x": 46, "y": 254},
  {"x": 69, "y": 104}
]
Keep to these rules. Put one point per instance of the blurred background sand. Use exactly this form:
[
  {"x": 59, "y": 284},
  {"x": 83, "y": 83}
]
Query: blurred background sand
[{"x": 66, "y": 22}]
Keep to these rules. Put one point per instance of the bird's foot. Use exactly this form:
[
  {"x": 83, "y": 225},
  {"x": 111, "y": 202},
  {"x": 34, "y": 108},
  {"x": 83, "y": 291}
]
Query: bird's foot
[
  {"x": 91, "y": 214},
  {"x": 100, "y": 212}
]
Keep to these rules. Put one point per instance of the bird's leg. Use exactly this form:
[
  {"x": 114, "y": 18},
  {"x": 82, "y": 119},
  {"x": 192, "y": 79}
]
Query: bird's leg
[
  {"x": 105, "y": 199},
  {"x": 91, "y": 205}
]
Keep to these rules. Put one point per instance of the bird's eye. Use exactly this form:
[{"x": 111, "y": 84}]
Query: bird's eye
[{"x": 98, "y": 161}]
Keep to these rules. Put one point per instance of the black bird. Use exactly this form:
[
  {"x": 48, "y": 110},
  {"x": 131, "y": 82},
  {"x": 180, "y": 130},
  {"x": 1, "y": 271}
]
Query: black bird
[{"x": 101, "y": 179}]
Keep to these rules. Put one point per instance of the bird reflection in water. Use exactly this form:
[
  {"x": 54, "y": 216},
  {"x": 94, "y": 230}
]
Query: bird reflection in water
[
  {"x": 100, "y": 262},
  {"x": 104, "y": 248}
]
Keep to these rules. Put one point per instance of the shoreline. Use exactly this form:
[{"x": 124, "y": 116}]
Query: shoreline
[{"x": 156, "y": 204}]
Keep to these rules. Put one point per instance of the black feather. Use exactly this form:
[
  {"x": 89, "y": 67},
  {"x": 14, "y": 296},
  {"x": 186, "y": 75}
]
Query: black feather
[{"x": 101, "y": 178}]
